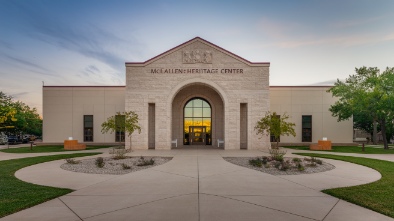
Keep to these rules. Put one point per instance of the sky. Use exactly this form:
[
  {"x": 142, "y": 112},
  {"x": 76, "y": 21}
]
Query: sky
[{"x": 87, "y": 42}]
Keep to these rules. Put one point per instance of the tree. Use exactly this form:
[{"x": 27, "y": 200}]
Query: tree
[
  {"x": 6, "y": 110},
  {"x": 272, "y": 124},
  {"x": 19, "y": 116},
  {"x": 122, "y": 122},
  {"x": 364, "y": 122},
  {"x": 367, "y": 93}
]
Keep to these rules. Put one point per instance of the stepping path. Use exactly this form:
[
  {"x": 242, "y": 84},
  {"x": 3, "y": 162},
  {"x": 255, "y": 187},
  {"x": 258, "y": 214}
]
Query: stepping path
[{"x": 197, "y": 185}]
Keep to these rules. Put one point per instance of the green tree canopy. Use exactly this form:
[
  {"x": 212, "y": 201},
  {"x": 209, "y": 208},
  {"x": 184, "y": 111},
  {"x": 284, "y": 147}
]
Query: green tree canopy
[
  {"x": 19, "y": 116},
  {"x": 273, "y": 124},
  {"x": 122, "y": 122},
  {"x": 366, "y": 93}
]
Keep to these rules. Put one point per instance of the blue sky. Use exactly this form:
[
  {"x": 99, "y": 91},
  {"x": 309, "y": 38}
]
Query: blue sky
[{"x": 75, "y": 42}]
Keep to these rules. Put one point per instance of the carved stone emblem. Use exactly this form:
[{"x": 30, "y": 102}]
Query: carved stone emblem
[{"x": 197, "y": 56}]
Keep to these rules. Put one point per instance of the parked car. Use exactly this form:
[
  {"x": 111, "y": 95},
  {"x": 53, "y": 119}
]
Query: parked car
[
  {"x": 27, "y": 138},
  {"x": 32, "y": 138},
  {"x": 12, "y": 139}
]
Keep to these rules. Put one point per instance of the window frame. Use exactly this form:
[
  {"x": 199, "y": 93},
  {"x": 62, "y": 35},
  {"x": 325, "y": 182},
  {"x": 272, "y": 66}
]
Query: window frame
[
  {"x": 85, "y": 129},
  {"x": 305, "y": 131}
]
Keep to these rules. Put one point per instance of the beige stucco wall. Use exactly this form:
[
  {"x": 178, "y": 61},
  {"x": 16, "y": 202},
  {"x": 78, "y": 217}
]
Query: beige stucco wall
[
  {"x": 64, "y": 107},
  {"x": 315, "y": 101},
  {"x": 251, "y": 87}
]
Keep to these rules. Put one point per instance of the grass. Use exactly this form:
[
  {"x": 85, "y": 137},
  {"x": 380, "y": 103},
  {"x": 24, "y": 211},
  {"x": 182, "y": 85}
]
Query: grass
[
  {"x": 46, "y": 149},
  {"x": 16, "y": 195},
  {"x": 377, "y": 196},
  {"x": 348, "y": 149}
]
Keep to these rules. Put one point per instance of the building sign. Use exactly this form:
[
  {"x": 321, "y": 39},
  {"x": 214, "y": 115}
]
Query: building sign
[
  {"x": 196, "y": 71},
  {"x": 194, "y": 57}
]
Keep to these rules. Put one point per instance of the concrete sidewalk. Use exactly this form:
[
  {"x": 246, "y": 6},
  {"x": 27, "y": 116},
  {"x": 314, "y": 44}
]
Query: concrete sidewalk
[{"x": 197, "y": 185}]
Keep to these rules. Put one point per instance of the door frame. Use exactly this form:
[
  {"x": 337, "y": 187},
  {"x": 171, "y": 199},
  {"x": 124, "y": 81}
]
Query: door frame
[{"x": 203, "y": 135}]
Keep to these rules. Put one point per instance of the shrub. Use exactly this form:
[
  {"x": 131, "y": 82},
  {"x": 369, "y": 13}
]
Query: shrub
[
  {"x": 264, "y": 160},
  {"x": 277, "y": 154},
  {"x": 300, "y": 167},
  {"x": 256, "y": 162},
  {"x": 312, "y": 164},
  {"x": 315, "y": 160},
  {"x": 277, "y": 164},
  {"x": 143, "y": 162},
  {"x": 284, "y": 166},
  {"x": 125, "y": 166},
  {"x": 119, "y": 152},
  {"x": 72, "y": 161},
  {"x": 100, "y": 162},
  {"x": 296, "y": 160}
]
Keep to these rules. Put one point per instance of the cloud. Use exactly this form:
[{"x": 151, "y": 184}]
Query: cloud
[
  {"x": 91, "y": 70},
  {"x": 277, "y": 29},
  {"x": 26, "y": 63},
  {"x": 4, "y": 44},
  {"x": 293, "y": 34},
  {"x": 356, "y": 22},
  {"x": 346, "y": 41},
  {"x": 29, "y": 66},
  {"x": 88, "y": 42},
  {"x": 19, "y": 94},
  {"x": 82, "y": 36}
]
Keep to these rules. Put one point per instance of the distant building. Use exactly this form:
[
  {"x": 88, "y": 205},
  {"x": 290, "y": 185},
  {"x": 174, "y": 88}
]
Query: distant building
[{"x": 195, "y": 94}]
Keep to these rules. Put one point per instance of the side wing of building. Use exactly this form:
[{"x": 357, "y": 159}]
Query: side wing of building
[
  {"x": 79, "y": 111},
  {"x": 308, "y": 107}
]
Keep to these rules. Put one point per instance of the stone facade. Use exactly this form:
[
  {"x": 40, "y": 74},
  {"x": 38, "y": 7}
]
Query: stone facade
[{"x": 201, "y": 69}]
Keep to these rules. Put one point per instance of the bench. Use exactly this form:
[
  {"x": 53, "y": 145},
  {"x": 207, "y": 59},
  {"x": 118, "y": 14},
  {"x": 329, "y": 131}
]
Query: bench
[
  {"x": 220, "y": 142},
  {"x": 175, "y": 142}
]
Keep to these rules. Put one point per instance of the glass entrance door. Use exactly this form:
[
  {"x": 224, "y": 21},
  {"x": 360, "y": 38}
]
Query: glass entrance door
[{"x": 197, "y": 135}]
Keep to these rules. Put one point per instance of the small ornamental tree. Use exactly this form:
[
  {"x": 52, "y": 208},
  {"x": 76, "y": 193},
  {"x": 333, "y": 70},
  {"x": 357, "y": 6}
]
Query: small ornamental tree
[
  {"x": 126, "y": 122},
  {"x": 275, "y": 125}
]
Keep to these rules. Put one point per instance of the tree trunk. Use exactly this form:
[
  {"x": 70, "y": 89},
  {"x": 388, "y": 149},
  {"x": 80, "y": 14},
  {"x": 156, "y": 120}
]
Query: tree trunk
[
  {"x": 130, "y": 141},
  {"x": 383, "y": 130},
  {"x": 375, "y": 132}
]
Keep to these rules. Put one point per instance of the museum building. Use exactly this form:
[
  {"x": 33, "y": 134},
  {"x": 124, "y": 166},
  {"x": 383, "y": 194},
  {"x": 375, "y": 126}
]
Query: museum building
[{"x": 194, "y": 94}]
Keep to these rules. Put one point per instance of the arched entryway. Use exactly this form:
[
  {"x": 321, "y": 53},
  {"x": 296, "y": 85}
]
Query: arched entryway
[{"x": 197, "y": 116}]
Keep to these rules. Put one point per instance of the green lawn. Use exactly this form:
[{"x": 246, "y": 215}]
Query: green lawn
[
  {"x": 377, "y": 196},
  {"x": 349, "y": 149},
  {"x": 46, "y": 149},
  {"x": 16, "y": 195}
]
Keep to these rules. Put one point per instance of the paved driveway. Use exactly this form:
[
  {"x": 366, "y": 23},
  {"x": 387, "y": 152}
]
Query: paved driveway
[{"x": 197, "y": 185}]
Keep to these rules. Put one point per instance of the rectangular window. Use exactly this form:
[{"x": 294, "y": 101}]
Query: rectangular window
[
  {"x": 151, "y": 126},
  {"x": 272, "y": 137},
  {"x": 88, "y": 128},
  {"x": 120, "y": 121},
  {"x": 243, "y": 125},
  {"x": 306, "y": 128}
]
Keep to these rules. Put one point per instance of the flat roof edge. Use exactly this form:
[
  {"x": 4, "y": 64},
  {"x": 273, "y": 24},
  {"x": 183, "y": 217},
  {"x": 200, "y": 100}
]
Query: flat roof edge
[{"x": 83, "y": 86}]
